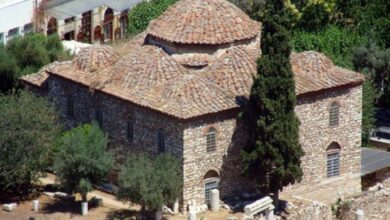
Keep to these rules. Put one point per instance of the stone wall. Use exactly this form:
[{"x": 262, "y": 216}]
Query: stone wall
[
  {"x": 116, "y": 112},
  {"x": 187, "y": 139},
  {"x": 316, "y": 135}
]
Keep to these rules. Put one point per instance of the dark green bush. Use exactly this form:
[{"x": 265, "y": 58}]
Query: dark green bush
[{"x": 140, "y": 16}]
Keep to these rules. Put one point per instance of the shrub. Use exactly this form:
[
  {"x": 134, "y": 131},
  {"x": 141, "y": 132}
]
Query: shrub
[
  {"x": 82, "y": 159},
  {"x": 140, "y": 16}
]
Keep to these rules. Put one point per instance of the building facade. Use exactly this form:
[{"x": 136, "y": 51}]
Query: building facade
[{"x": 181, "y": 88}]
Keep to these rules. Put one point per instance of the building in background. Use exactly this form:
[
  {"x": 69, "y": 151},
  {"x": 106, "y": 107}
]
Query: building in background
[
  {"x": 16, "y": 18},
  {"x": 94, "y": 21}
]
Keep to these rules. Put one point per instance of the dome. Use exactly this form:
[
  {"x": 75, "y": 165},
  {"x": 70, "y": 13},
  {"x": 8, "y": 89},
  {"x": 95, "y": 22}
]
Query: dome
[
  {"x": 310, "y": 61},
  {"x": 94, "y": 58},
  {"x": 203, "y": 22},
  {"x": 144, "y": 68}
]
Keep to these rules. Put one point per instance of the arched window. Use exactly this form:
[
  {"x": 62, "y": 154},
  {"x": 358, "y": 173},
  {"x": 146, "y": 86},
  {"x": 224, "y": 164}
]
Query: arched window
[
  {"x": 333, "y": 160},
  {"x": 52, "y": 26},
  {"x": 99, "y": 117},
  {"x": 161, "y": 141},
  {"x": 108, "y": 24},
  {"x": 334, "y": 114},
  {"x": 211, "y": 142},
  {"x": 211, "y": 181},
  {"x": 69, "y": 106},
  {"x": 130, "y": 130}
]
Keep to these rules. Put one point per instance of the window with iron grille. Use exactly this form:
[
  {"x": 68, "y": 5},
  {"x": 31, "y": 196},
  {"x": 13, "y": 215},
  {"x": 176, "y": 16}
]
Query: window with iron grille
[
  {"x": 99, "y": 117},
  {"x": 161, "y": 141},
  {"x": 211, "y": 140},
  {"x": 333, "y": 164},
  {"x": 69, "y": 106},
  {"x": 208, "y": 186},
  {"x": 130, "y": 130},
  {"x": 334, "y": 114}
]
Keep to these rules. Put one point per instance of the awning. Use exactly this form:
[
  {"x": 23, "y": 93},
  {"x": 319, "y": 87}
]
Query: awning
[
  {"x": 374, "y": 160},
  {"x": 63, "y": 10},
  {"x": 121, "y": 5}
]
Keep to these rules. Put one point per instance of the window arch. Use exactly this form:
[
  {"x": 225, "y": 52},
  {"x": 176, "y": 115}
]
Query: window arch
[
  {"x": 130, "y": 130},
  {"x": 211, "y": 181},
  {"x": 334, "y": 114},
  {"x": 161, "y": 141},
  {"x": 69, "y": 106},
  {"x": 51, "y": 26},
  {"x": 333, "y": 160},
  {"x": 211, "y": 139}
]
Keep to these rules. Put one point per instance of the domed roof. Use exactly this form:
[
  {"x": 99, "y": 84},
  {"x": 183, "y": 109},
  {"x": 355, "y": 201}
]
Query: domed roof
[
  {"x": 203, "y": 22},
  {"x": 94, "y": 58},
  {"x": 145, "y": 67},
  {"x": 310, "y": 61},
  {"x": 234, "y": 70}
]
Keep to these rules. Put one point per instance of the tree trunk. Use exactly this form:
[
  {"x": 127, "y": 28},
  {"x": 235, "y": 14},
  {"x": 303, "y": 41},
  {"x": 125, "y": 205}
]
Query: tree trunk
[{"x": 84, "y": 197}]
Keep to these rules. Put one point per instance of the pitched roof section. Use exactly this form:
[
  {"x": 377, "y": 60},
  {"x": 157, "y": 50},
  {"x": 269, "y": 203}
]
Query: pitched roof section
[
  {"x": 203, "y": 22},
  {"x": 313, "y": 71}
]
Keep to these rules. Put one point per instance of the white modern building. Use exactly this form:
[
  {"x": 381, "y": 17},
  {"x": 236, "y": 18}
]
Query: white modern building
[{"x": 16, "y": 18}]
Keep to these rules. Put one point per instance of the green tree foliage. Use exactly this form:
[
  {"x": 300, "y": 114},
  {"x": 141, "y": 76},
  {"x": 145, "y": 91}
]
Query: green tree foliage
[
  {"x": 30, "y": 53},
  {"x": 316, "y": 14},
  {"x": 253, "y": 8},
  {"x": 140, "y": 16},
  {"x": 376, "y": 64},
  {"x": 9, "y": 71},
  {"x": 335, "y": 42},
  {"x": 273, "y": 152},
  {"x": 150, "y": 183},
  {"x": 82, "y": 159},
  {"x": 28, "y": 126}
]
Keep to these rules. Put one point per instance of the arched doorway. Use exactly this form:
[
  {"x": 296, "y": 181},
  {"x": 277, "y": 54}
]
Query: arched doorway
[
  {"x": 108, "y": 24},
  {"x": 51, "y": 26},
  {"x": 123, "y": 23},
  {"x": 211, "y": 181}
]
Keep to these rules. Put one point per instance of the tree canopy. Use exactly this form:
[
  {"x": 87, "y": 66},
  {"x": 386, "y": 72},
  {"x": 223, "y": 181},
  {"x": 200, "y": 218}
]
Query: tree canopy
[
  {"x": 150, "y": 183},
  {"x": 82, "y": 159},
  {"x": 28, "y": 127},
  {"x": 273, "y": 152}
]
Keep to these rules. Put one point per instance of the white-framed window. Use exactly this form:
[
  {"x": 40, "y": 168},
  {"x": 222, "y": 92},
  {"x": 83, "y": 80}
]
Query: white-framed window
[
  {"x": 161, "y": 141},
  {"x": 211, "y": 140},
  {"x": 333, "y": 160},
  {"x": 334, "y": 114}
]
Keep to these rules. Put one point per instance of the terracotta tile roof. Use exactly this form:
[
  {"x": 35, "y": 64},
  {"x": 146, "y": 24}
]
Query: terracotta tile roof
[
  {"x": 234, "y": 70},
  {"x": 203, "y": 22},
  {"x": 39, "y": 77},
  {"x": 94, "y": 58},
  {"x": 313, "y": 71}
]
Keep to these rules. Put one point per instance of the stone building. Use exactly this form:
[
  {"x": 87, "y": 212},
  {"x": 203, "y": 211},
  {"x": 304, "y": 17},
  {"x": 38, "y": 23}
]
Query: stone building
[{"x": 179, "y": 90}]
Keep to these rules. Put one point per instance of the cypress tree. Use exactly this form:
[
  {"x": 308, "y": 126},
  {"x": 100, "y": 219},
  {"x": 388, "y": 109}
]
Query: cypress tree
[{"x": 272, "y": 156}]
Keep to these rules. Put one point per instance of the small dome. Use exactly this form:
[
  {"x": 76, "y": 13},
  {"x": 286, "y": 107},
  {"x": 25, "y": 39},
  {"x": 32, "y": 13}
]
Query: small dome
[
  {"x": 143, "y": 68},
  {"x": 95, "y": 58},
  {"x": 203, "y": 22},
  {"x": 310, "y": 61}
]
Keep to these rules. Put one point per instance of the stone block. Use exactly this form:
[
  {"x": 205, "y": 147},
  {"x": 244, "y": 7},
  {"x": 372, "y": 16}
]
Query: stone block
[{"x": 9, "y": 207}]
